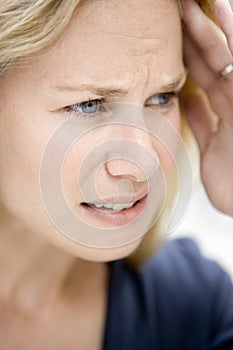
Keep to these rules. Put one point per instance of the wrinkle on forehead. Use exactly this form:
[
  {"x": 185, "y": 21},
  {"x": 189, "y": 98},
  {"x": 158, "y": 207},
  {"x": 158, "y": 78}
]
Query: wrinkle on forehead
[
  {"x": 148, "y": 16},
  {"x": 102, "y": 51}
]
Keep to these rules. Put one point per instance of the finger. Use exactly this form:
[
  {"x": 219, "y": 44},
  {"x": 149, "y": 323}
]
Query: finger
[
  {"x": 201, "y": 73},
  {"x": 207, "y": 36},
  {"x": 224, "y": 16},
  {"x": 219, "y": 90},
  {"x": 201, "y": 119}
]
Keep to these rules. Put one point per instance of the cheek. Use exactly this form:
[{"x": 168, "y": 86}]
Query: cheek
[
  {"x": 167, "y": 140},
  {"x": 22, "y": 141},
  {"x": 76, "y": 168}
]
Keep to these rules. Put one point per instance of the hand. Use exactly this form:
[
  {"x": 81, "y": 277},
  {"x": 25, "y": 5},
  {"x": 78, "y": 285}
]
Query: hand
[{"x": 207, "y": 50}]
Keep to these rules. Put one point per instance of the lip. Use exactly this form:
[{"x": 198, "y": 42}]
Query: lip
[
  {"x": 117, "y": 218},
  {"x": 123, "y": 200}
]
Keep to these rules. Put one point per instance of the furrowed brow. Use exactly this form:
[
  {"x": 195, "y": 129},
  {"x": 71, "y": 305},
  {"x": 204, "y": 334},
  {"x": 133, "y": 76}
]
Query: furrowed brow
[
  {"x": 101, "y": 91},
  {"x": 174, "y": 84},
  {"x": 118, "y": 91}
]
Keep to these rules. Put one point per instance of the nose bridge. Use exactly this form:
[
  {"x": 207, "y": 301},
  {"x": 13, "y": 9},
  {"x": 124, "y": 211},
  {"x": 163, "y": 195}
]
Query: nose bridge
[
  {"x": 132, "y": 124},
  {"x": 141, "y": 136},
  {"x": 138, "y": 158}
]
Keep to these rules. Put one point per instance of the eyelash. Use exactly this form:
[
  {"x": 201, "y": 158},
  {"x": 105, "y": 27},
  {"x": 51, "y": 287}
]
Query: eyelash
[
  {"x": 73, "y": 109},
  {"x": 171, "y": 95}
]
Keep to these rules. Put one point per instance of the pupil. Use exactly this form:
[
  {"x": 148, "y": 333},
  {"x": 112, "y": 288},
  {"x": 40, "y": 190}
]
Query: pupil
[
  {"x": 90, "y": 106},
  {"x": 163, "y": 98}
]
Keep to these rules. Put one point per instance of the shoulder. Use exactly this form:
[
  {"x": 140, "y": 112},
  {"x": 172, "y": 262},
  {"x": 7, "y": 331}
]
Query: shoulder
[
  {"x": 179, "y": 273},
  {"x": 180, "y": 261},
  {"x": 177, "y": 299},
  {"x": 191, "y": 294},
  {"x": 178, "y": 269}
]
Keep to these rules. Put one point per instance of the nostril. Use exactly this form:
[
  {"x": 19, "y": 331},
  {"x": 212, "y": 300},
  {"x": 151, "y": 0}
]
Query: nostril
[{"x": 126, "y": 168}]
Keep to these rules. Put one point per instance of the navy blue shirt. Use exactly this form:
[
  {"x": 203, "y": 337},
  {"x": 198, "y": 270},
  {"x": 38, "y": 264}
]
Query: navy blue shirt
[{"x": 177, "y": 300}]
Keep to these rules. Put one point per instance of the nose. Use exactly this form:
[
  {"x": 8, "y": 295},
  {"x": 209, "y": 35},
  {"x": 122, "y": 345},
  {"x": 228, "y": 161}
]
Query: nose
[{"x": 136, "y": 157}]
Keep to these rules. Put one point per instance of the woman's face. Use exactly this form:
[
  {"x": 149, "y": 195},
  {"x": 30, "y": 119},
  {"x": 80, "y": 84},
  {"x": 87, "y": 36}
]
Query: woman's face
[{"x": 112, "y": 51}]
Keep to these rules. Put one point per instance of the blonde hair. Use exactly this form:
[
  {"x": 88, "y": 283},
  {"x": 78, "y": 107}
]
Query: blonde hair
[{"x": 26, "y": 26}]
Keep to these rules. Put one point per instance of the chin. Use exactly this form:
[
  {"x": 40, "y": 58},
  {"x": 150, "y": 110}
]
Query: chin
[{"x": 104, "y": 255}]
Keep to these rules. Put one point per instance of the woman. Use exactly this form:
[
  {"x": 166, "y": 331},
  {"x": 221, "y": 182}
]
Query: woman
[{"x": 70, "y": 61}]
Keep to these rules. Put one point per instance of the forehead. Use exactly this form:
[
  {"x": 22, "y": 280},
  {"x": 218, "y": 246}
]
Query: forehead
[{"x": 116, "y": 36}]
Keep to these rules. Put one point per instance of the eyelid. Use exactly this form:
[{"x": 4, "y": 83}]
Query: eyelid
[
  {"x": 171, "y": 94},
  {"x": 102, "y": 100},
  {"x": 69, "y": 107},
  {"x": 99, "y": 114}
]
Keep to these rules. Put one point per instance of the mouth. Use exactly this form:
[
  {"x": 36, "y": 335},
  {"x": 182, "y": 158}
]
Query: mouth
[
  {"x": 115, "y": 212},
  {"x": 111, "y": 207}
]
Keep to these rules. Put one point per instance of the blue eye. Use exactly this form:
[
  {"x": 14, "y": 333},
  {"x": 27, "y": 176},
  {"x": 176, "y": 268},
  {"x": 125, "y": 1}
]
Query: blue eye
[
  {"x": 163, "y": 99},
  {"x": 87, "y": 107},
  {"x": 89, "y": 111}
]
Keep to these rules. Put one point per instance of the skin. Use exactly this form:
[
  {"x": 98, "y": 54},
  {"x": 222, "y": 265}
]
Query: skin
[
  {"x": 50, "y": 281},
  {"x": 45, "y": 280},
  {"x": 206, "y": 56},
  {"x": 32, "y": 124}
]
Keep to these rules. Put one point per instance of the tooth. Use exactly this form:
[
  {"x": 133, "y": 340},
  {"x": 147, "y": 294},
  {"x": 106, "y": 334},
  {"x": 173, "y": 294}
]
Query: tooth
[
  {"x": 129, "y": 205},
  {"x": 95, "y": 205},
  {"x": 118, "y": 206},
  {"x": 98, "y": 205},
  {"x": 108, "y": 205},
  {"x": 114, "y": 206}
]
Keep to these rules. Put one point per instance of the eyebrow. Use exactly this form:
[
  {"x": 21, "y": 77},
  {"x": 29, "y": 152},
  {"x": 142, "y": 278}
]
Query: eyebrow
[
  {"x": 119, "y": 91},
  {"x": 97, "y": 90},
  {"x": 172, "y": 85}
]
